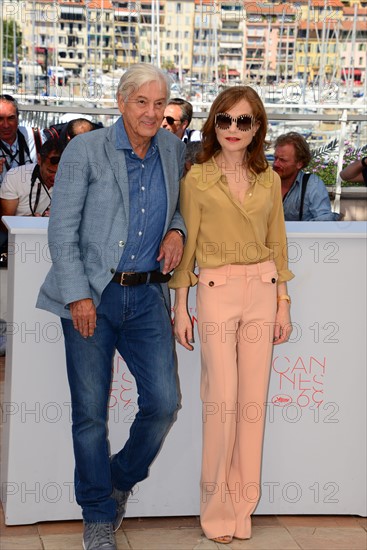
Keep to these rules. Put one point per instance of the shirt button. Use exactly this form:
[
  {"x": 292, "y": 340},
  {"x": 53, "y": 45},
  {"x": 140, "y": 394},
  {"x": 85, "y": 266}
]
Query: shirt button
[
  {"x": 133, "y": 257},
  {"x": 112, "y": 270},
  {"x": 211, "y": 283},
  {"x": 142, "y": 166},
  {"x": 121, "y": 244},
  {"x": 140, "y": 233},
  {"x": 143, "y": 210},
  {"x": 273, "y": 280},
  {"x": 143, "y": 188}
]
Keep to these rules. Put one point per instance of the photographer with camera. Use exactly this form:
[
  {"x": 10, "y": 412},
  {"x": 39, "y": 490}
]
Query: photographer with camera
[{"x": 27, "y": 189}]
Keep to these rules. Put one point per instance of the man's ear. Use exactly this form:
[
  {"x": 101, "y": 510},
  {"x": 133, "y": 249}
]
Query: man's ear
[
  {"x": 120, "y": 103},
  {"x": 185, "y": 124}
]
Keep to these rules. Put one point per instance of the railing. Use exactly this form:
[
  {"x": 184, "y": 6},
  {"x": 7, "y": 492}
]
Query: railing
[{"x": 342, "y": 117}]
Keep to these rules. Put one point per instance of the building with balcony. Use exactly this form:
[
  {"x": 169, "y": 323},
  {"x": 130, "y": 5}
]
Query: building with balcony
[
  {"x": 125, "y": 33},
  {"x": 270, "y": 39},
  {"x": 176, "y": 39},
  {"x": 206, "y": 39}
]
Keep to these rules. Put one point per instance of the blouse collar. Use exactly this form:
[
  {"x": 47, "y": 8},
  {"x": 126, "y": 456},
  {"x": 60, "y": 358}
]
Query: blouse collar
[{"x": 208, "y": 174}]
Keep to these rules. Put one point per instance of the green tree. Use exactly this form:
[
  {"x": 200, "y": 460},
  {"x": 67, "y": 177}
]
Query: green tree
[
  {"x": 168, "y": 65},
  {"x": 8, "y": 38}
]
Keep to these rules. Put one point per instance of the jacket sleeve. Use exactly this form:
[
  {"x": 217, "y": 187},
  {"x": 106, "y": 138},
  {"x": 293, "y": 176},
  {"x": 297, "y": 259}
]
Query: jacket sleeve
[
  {"x": 177, "y": 221},
  {"x": 68, "y": 199},
  {"x": 276, "y": 237},
  {"x": 184, "y": 275}
]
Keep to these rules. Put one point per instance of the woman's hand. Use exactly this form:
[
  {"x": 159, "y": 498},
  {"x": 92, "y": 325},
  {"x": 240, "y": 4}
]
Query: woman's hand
[
  {"x": 283, "y": 326},
  {"x": 182, "y": 329}
]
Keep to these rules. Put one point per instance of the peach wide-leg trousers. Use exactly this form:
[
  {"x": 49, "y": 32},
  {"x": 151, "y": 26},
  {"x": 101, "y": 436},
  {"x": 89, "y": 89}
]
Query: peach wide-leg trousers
[{"x": 236, "y": 307}]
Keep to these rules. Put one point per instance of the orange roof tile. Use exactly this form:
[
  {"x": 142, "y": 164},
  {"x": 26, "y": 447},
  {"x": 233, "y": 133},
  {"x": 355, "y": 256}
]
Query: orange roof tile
[
  {"x": 350, "y": 11},
  {"x": 269, "y": 9},
  {"x": 330, "y": 4},
  {"x": 360, "y": 26},
  {"x": 332, "y": 23},
  {"x": 98, "y": 4}
]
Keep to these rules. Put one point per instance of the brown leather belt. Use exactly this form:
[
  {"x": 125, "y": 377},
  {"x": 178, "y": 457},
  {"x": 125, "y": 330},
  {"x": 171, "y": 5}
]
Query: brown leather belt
[{"x": 128, "y": 278}]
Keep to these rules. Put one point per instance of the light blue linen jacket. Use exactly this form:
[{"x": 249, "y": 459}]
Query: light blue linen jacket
[{"x": 89, "y": 220}]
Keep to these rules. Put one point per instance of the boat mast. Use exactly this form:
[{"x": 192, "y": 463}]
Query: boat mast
[
  {"x": 305, "y": 66},
  {"x": 352, "y": 62}
]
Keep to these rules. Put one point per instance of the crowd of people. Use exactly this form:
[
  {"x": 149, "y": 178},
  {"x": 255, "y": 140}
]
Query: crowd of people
[
  {"x": 150, "y": 195},
  {"x": 29, "y": 159},
  {"x": 304, "y": 195}
]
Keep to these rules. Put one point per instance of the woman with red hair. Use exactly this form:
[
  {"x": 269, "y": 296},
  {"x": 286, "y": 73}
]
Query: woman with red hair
[{"x": 232, "y": 206}]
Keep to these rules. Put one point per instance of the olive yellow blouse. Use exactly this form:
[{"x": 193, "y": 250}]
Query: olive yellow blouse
[{"x": 221, "y": 230}]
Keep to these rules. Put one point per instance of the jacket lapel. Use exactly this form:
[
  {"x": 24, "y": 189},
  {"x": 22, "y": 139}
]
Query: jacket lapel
[
  {"x": 168, "y": 167},
  {"x": 117, "y": 161}
]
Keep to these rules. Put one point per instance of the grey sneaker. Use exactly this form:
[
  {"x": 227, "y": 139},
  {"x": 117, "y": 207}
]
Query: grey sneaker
[
  {"x": 99, "y": 536},
  {"x": 121, "y": 498}
]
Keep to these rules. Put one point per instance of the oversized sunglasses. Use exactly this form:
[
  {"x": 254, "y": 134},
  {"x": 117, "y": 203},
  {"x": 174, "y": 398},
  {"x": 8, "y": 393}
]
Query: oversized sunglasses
[
  {"x": 170, "y": 120},
  {"x": 244, "y": 123}
]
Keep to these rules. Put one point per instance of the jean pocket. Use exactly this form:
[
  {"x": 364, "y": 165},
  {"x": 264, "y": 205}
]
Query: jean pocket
[
  {"x": 212, "y": 279},
  {"x": 271, "y": 277}
]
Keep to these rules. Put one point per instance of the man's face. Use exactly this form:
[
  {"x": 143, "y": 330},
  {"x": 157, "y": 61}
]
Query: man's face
[
  {"x": 8, "y": 122},
  {"x": 174, "y": 124},
  {"x": 48, "y": 168},
  {"x": 143, "y": 111},
  {"x": 285, "y": 163}
]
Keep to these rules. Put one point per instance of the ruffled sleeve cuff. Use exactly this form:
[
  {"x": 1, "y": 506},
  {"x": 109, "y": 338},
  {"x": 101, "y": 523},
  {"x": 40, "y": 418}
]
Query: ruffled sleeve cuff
[{"x": 183, "y": 279}]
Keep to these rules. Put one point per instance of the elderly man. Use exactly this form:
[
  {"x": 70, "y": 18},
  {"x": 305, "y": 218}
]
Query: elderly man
[
  {"x": 305, "y": 197},
  {"x": 115, "y": 205},
  {"x": 177, "y": 117},
  {"x": 17, "y": 146}
]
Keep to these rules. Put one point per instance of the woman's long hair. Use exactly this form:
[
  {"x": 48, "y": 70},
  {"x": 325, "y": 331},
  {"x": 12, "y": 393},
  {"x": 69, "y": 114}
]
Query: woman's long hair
[{"x": 255, "y": 158}]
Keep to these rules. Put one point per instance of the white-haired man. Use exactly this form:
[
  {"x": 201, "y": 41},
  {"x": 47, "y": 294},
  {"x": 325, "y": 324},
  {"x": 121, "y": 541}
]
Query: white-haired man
[{"x": 115, "y": 203}]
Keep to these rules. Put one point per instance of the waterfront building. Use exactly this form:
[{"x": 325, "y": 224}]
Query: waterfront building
[{"x": 197, "y": 40}]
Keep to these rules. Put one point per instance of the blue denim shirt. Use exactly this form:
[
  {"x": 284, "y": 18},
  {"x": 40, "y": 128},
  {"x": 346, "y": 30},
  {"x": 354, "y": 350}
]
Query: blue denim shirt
[
  {"x": 148, "y": 205},
  {"x": 316, "y": 206}
]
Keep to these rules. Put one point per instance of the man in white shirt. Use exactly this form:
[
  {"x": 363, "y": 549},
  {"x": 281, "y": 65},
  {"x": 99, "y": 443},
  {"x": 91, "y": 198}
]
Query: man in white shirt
[
  {"x": 17, "y": 146},
  {"x": 27, "y": 189},
  {"x": 177, "y": 117}
]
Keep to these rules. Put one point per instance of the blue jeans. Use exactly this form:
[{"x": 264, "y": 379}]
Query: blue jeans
[{"x": 135, "y": 321}]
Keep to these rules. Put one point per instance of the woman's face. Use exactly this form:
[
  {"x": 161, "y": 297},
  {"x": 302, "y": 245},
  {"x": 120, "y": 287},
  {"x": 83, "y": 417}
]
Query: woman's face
[{"x": 232, "y": 139}]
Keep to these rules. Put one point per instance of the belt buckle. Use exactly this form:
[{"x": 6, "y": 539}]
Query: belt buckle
[{"x": 122, "y": 283}]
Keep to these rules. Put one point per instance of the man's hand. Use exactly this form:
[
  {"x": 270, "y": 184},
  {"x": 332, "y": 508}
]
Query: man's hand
[
  {"x": 83, "y": 313},
  {"x": 171, "y": 250}
]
